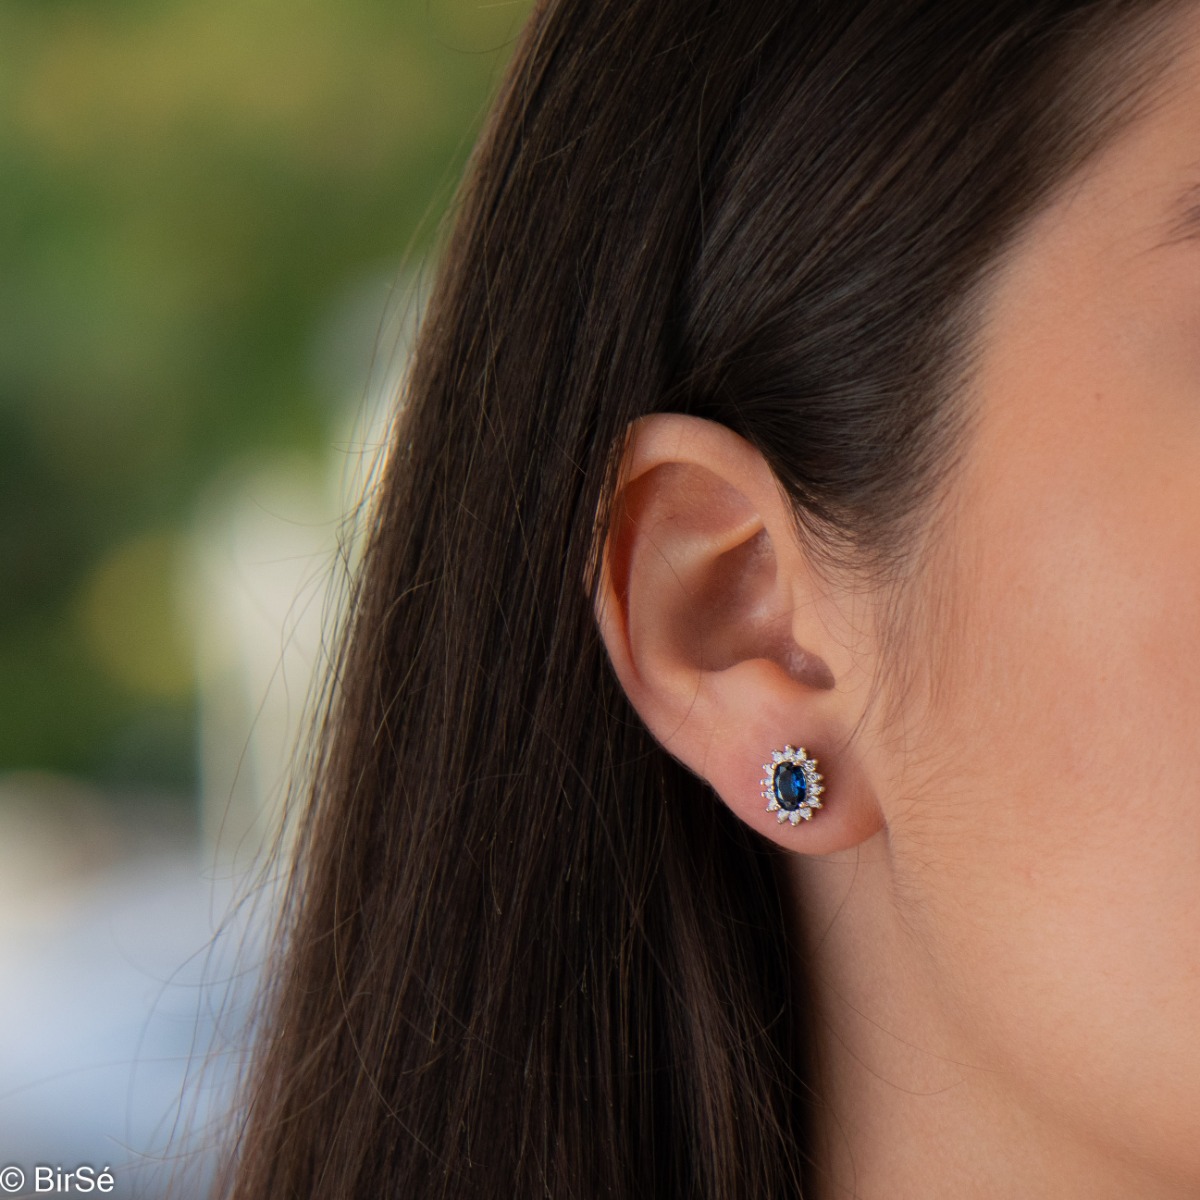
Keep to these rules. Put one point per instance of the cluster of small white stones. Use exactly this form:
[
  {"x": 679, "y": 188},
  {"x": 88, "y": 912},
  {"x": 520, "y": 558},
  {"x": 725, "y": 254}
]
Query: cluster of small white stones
[{"x": 812, "y": 785}]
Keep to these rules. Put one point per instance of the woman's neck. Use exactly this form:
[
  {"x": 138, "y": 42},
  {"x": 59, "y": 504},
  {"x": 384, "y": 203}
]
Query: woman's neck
[{"x": 911, "y": 1103}]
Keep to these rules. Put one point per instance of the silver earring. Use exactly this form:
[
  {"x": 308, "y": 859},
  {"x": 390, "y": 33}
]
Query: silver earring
[{"x": 792, "y": 785}]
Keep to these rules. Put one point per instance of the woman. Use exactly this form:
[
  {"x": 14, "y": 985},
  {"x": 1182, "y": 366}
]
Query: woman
[{"x": 798, "y": 376}]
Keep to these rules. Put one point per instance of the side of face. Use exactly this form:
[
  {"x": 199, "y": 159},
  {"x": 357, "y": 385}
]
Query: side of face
[{"x": 1053, "y": 853}]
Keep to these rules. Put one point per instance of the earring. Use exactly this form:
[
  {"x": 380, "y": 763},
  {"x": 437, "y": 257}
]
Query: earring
[{"x": 792, "y": 786}]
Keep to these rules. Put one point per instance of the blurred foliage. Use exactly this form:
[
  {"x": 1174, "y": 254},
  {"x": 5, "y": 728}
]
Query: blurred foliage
[{"x": 187, "y": 184}]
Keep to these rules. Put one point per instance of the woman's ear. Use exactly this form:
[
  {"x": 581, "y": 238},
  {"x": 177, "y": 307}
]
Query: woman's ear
[{"x": 725, "y": 640}]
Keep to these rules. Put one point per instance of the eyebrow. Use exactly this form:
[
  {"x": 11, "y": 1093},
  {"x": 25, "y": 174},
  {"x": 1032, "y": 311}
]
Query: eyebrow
[{"x": 1183, "y": 217}]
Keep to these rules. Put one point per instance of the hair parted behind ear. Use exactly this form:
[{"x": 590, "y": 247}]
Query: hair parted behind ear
[{"x": 523, "y": 952}]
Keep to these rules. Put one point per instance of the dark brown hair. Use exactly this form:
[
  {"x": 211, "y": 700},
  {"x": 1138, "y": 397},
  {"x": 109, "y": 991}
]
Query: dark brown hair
[{"x": 523, "y": 951}]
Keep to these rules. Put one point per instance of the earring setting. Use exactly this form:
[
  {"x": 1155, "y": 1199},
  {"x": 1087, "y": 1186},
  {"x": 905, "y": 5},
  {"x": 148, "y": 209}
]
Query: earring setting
[{"x": 792, "y": 785}]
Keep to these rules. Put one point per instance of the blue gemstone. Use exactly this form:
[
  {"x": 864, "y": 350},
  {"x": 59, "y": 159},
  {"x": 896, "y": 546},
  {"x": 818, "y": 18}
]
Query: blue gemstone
[{"x": 791, "y": 788}]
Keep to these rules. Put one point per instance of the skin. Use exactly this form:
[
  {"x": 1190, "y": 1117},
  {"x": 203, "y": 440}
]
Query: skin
[{"x": 1000, "y": 902}]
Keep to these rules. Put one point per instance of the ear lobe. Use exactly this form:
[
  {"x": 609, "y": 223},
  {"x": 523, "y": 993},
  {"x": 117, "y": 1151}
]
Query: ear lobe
[{"x": 719, "y": 633}]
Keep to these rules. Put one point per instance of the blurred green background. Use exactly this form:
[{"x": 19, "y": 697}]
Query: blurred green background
[{"x": 191, "y": 189}]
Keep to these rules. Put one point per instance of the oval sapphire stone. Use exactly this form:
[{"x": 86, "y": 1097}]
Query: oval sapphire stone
[{"x": 791, "y": 788}]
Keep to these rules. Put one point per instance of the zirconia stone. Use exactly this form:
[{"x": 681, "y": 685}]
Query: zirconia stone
[{"x": 790, "y": 786}]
